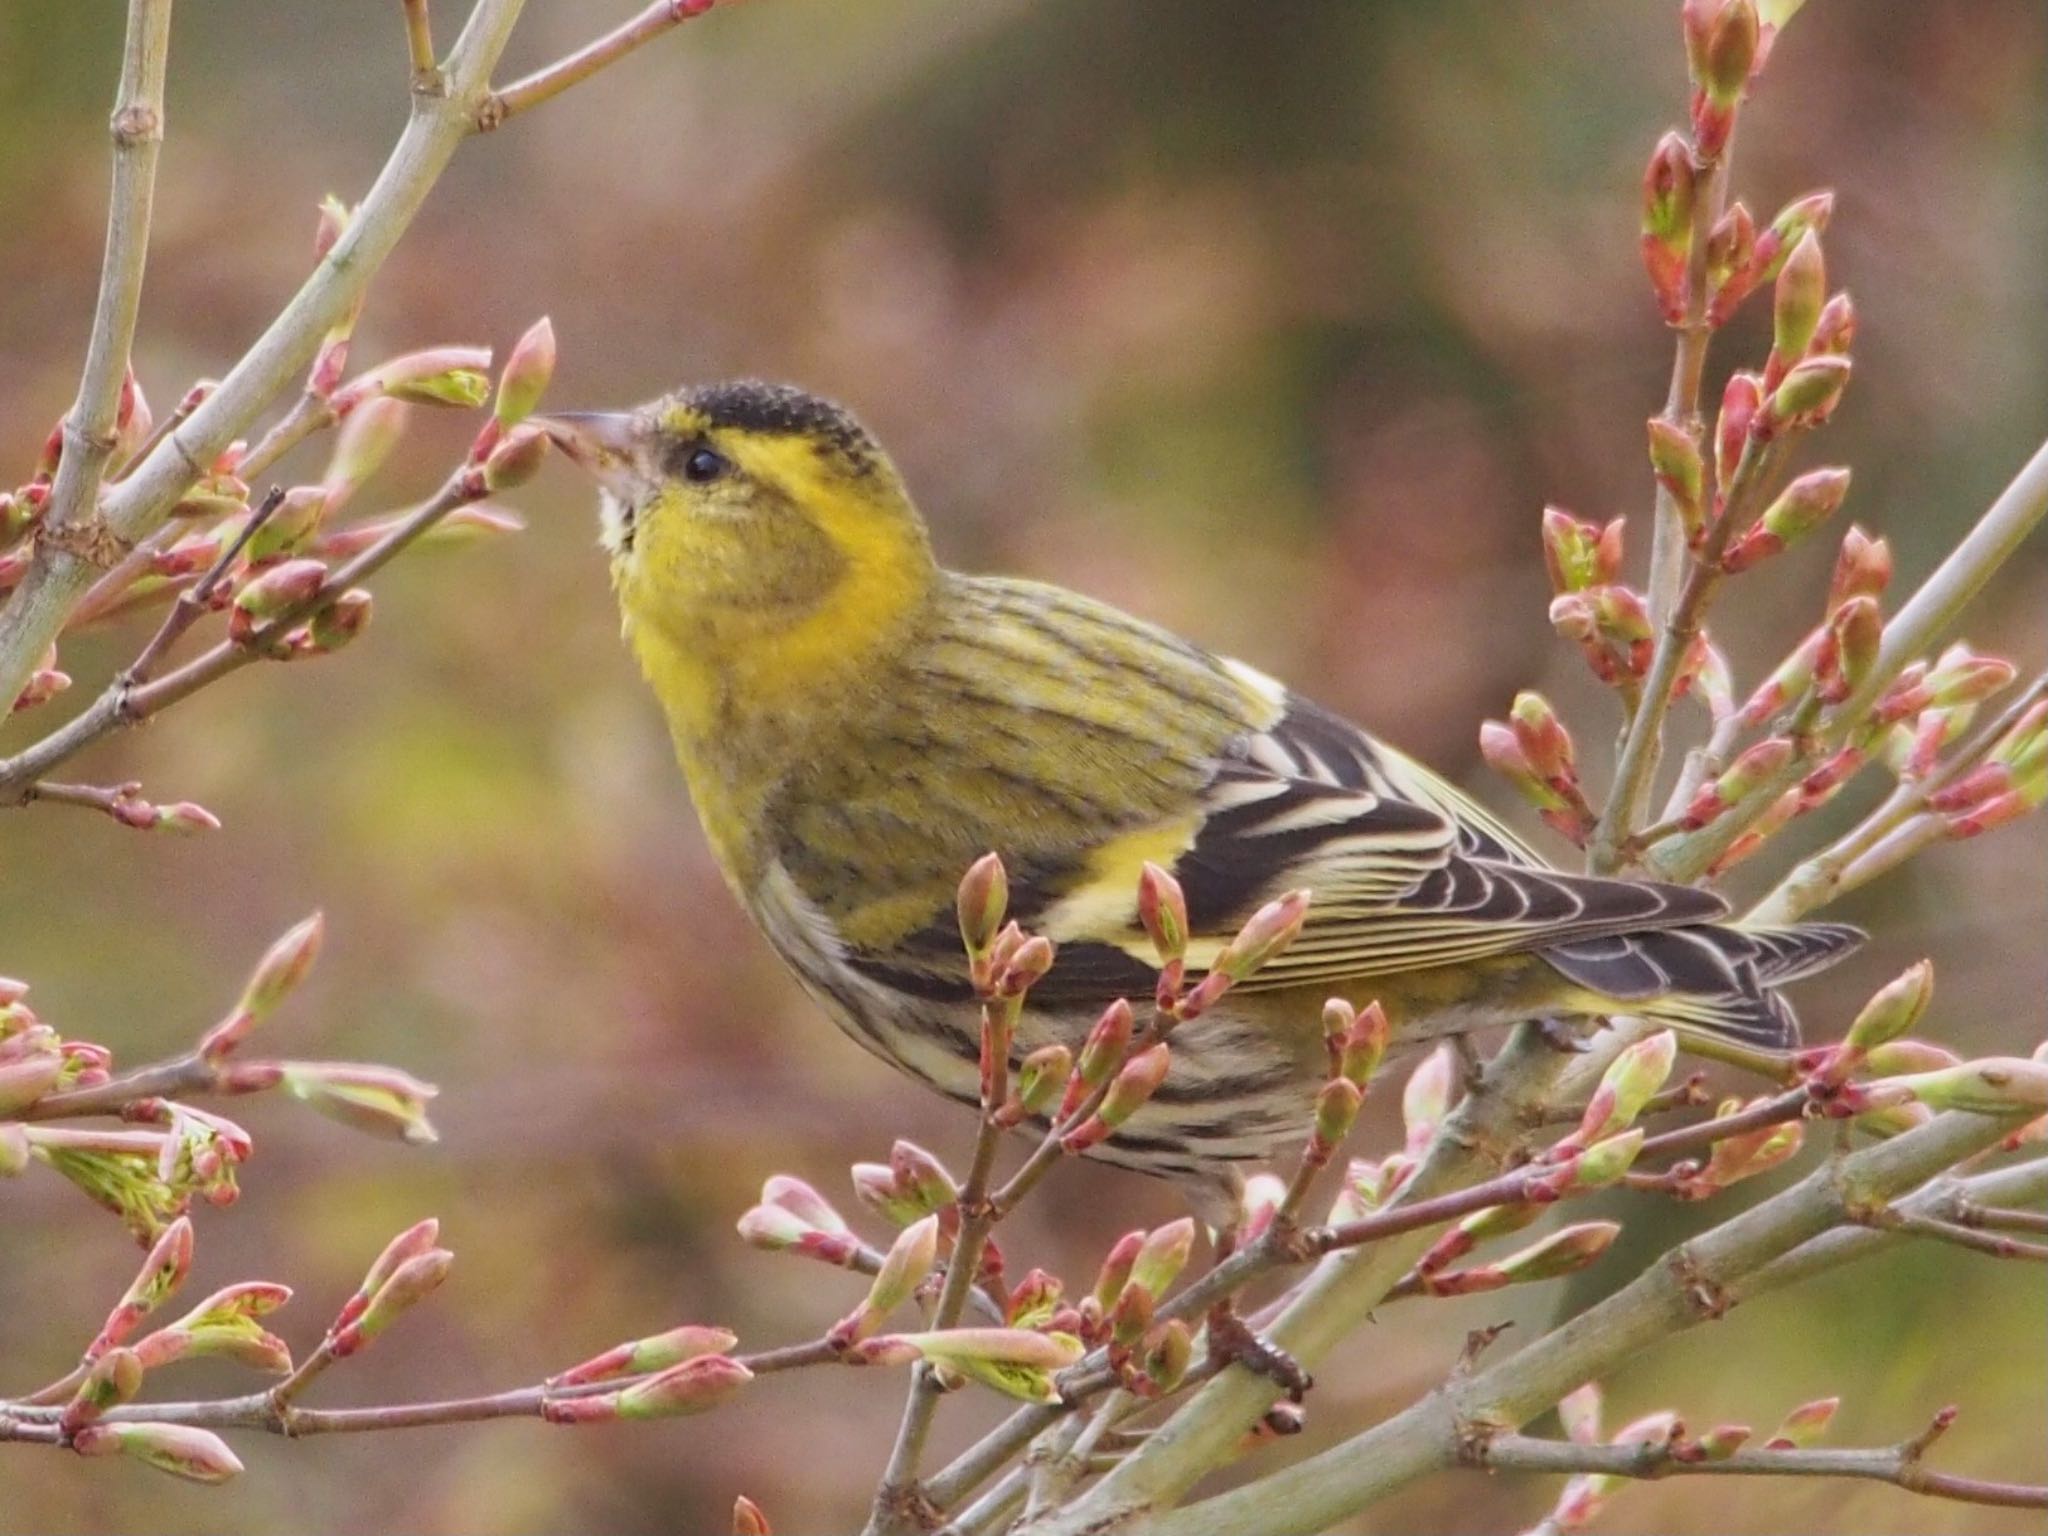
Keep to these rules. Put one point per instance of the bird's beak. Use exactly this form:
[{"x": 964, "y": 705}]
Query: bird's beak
[{"x": 602, "y": 442}]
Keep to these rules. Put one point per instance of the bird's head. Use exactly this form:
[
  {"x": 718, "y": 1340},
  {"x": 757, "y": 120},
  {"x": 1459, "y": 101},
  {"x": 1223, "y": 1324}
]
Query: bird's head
[{"x": 759, "y": 536}]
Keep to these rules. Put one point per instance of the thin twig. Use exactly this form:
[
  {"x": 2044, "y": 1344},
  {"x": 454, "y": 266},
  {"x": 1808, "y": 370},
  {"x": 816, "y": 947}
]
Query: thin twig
[
  {"x": 71, "y": 520},
  {"x": 531, "y": 90},
  {"x": 1970, "y": 1214},
  {"x": 1640, "y": 746},
  {"x": 1997, "y": 1244},
  {"x": 419, "y": 45},
  {"x": 1668, "y": 536},
  {"x": 1898, "y": 1465},
  {"x": 898, "y": 1503}
]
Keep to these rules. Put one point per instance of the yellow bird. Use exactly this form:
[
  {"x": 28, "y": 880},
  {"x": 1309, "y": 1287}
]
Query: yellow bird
[{"x": 858, "y": 724}]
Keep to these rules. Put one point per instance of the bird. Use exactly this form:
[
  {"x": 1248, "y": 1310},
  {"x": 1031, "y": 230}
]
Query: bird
[{"x": 858, "y": 724}]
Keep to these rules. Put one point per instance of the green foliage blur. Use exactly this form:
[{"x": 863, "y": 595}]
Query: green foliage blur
[{"x": 1277, "y": 323}]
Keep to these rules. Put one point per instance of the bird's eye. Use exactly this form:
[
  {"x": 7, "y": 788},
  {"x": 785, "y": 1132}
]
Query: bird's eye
[{"x": 704, "y": 466}]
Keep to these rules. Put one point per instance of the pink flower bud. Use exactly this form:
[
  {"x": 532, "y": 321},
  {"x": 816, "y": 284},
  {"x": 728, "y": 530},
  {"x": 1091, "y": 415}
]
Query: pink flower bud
[
  {"x": 1894, "y": 1009},
  {"x": 453, "y": 376},
  {"x": 1788, "y": 684},
  {"x": 1731, "y": 263},
  {"x": 411, "y": 1282},
  {"x": 272, "y": 593},
  {"x": 111, "y": 1380},
  {"x": 982, "y": 902},
  {"x": 421, "y": 1237},
  {"x": 922, "y": 1178},
  {"x": 1258, "y": 1204},
  {"x": 1364, "y": 1045},
  {"x": 1564, "y": 1252},
  {"x": 162, "y": 1272},
  {"x": 1108, "y": 1042},
  {"x": 1629, "y": 1082},
  {"x": 1034, "y": 1301},
  {"x": 1741, "y": 404},
  {"x": 132, "y": 416},
  {"x": 1668, "y": 194},
  {"x": 1857, "y": 628},
  {"x": 1502, "y": 749},
  {"x": 802, "y": 1201},
  {"x": 526, "y": 373},
  {"x": 514, "y": 460},
  {"x": 1578, "y": 554},
  {"x": 1163, "y": 911},
  {"x": 1835, "y": 332},
  {"x": 367, "y": 437},
  {"x": 1606, "y": 1161},
  {"x": 1795, "y": 312},
  {"x": 283, "y": 966},
  {"x": 1796, "y": 220},
  {"x": 1803, "y": 506},
  {"x": 691, "y": 1387},
  {"x": 1116, "y": 1268},
  {"x": 225, "y": 1326},
  {"x": 1754, "y": 768},
  {"x": 1337, "y": 1105},
  {"x": 381, "y": 1100},
  {"x": 904, "y": 1268},
  {"x": 1962, "y": 676},
  {"x": 1804, "y": 1425},
  {"x": 1862, "y": 569},
  {"x": 1041, "y": 1076},
  {"x": 1676, "y": 464},
  {"x": 1129, "y": 1090},
  {"x": 1808, "y": 396},
  {"x": 1264, "y": 937},
  {"x": 27, "y": 1078},
  {"x": 334, "y": 218},
  {"x": 197, "y": 1455},
  {"x": 747, "y": 1519},
  {"x": 1721, "y": 45},
  {"x": 1164, "y": 1355},
  {"x": 1162, "y": 1256},
  {"x": 1991, "y": 1085},
  {"x": 1426, "y": 1098}
]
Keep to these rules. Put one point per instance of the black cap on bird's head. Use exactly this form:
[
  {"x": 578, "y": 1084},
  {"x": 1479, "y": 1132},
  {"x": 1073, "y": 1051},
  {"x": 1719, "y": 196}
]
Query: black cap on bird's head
[{"x": 626, "y": 449}]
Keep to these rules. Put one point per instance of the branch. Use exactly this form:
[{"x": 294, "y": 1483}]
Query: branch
[
  {"x": 1870, "y": 848},
  {"x": 419, "y": 46},
  {"x": 274, "y": 1414},
  {"x": 1337, "y": 1297},
  {"x": 546, "y": 83},
  {"x": 69, "y": 521},
  {"x": 1697, "y": 1280},
  {"x": 1898, "y": 1465},
  {"x": 1643, "y": 736},
  {"x": 133, "y": 696},
  {"x": 1927, "y": 615}
]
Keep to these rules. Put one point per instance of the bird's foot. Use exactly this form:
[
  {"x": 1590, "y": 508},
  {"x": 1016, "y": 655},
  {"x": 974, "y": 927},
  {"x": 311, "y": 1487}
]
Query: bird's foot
[
  {"x": 1234, "y": 1341},
  {"x": 1562, "y": 1035}
]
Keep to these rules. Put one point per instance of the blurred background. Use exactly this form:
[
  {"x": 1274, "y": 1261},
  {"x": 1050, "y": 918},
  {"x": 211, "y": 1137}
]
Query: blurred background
[{"x": 1277, "y": 324}]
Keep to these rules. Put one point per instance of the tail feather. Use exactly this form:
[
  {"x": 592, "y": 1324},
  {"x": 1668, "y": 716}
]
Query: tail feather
[{"x": 1711, "y": 978}]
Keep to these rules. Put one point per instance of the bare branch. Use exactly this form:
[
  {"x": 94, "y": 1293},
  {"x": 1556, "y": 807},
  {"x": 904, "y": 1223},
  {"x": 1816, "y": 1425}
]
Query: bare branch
[
  {"x": 544, "y": 84},
  {"x": 1899, "y": 1465},
  {"x": 70, "y": 521}
]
